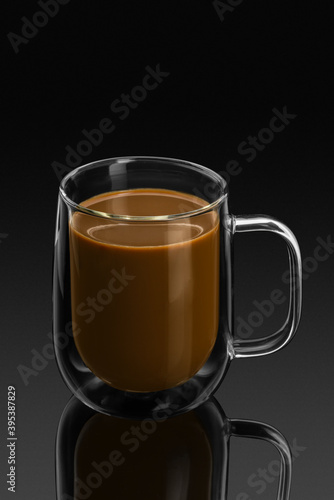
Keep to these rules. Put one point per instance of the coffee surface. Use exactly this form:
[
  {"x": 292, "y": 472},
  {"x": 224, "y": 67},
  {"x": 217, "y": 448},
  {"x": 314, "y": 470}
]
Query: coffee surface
[{"x": 145, "y": 294}]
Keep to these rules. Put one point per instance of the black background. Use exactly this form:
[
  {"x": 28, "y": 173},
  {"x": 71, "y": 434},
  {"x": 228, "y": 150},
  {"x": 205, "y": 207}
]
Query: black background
[{"x": 225, "y": 78}]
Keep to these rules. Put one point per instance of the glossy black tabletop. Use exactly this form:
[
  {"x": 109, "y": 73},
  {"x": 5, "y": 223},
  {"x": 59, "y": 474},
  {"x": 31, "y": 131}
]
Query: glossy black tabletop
[{"x": 243, "y": 88}]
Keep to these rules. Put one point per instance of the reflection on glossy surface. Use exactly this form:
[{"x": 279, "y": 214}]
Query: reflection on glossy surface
[
  {"x": 178, "y": 458},
  {"x": 139, "y": 460}
]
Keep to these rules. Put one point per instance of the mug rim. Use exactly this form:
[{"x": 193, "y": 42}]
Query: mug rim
[{"x": 218, "y": 179}]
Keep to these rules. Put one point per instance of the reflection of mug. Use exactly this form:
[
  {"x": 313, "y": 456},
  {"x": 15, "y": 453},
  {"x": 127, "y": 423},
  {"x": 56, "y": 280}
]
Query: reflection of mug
[
  {"x": 143, "y": 271},
  {"x": 184, "y": 457}
]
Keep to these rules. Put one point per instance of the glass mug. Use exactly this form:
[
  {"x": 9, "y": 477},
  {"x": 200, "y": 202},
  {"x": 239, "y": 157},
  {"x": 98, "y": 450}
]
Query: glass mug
[
  {"x": 184, "y": 458},
  {"x": 142, "y": 286}
]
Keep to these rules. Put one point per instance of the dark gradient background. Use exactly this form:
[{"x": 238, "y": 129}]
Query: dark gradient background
[{"x": 225, "y": 79}]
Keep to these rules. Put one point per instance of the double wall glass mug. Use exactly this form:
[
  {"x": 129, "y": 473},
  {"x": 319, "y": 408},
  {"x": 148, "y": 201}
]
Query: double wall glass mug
[
  {"x": 142, "y": 286},
  {"x": 185, "y": 457}
]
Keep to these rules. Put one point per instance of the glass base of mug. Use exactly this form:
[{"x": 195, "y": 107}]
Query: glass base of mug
[{"x": 158, "y": 405}]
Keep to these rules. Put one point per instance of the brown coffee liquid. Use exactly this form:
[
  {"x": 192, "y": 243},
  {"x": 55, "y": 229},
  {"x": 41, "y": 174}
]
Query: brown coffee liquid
[{"x": 145, "y": 294}]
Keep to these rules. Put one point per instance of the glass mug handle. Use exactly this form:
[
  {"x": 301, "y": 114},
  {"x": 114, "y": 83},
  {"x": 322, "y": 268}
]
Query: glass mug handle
[
  {"x": 259, "y": 430},
  {"x": 267, "y": 345}
]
